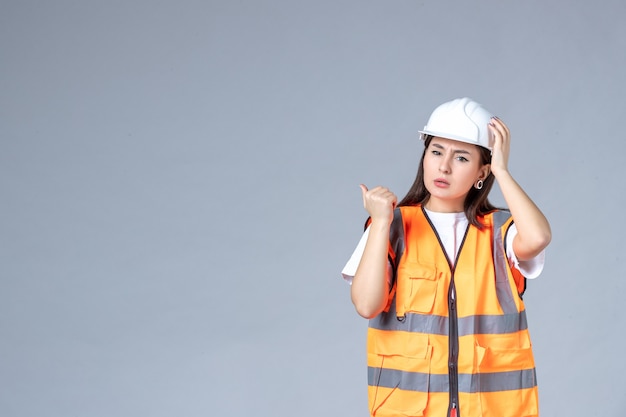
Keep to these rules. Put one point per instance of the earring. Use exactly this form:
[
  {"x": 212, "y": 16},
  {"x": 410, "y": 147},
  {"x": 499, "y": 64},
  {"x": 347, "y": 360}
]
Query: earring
[{"x": 479, "y": 184}]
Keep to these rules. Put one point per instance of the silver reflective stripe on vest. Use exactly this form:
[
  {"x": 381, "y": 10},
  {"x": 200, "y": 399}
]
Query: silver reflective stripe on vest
[
  {"x": 493, "y": 324},
  {"x": 396, "y": 237},
  {"x": 432, "y": 324},
  {"x": 468, "y": 383},
  {"x": 500, "y": 261}
]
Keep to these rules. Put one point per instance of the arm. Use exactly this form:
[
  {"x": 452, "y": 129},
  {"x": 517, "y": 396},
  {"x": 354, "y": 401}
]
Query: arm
[
  {"x": 533, "y": 229},
  {"x": 370, "y": 287}
]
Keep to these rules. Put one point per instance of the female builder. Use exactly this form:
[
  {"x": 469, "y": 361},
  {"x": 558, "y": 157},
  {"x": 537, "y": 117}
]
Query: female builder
[{"x": 441, "y": 275}]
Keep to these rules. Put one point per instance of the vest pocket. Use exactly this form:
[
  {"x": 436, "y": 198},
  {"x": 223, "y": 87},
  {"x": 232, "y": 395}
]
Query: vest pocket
[
  {"x": 507, "y": 382},
  {"x": 399, "y": 366},
  {"x": 417, "y": 288}
]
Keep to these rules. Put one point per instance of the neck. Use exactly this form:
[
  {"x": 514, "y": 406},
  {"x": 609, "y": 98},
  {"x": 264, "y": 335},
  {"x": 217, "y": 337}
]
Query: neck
[{"x": 440, "y": 206}]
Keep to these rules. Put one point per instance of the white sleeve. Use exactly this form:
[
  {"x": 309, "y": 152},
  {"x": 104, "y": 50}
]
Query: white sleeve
[
  {"x": 349, "y": 270},
  {"x": 530, "y": 268}
]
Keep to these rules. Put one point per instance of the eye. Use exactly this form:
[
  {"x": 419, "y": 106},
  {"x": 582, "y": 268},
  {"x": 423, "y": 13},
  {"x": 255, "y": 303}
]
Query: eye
[
  {"x": 435, "y": 152},
  {"x": 462, "y": 159}
]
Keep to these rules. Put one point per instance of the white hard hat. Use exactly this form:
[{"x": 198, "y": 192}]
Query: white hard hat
[{"x": 461, "y": 119}]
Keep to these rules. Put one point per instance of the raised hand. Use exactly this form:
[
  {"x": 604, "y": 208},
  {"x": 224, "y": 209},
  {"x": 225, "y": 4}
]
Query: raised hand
[
  {"x": 533, "y": 229},
  {"x": 501, "y": 146},
  {"x": 379, "y": 203}
]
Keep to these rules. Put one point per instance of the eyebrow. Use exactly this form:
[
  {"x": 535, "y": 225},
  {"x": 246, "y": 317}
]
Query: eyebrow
[{"x": 463, "y": 151}]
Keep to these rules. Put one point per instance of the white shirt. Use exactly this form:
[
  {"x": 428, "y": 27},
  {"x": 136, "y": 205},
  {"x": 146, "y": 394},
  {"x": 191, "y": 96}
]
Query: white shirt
[{"x": 451, "y": 229}]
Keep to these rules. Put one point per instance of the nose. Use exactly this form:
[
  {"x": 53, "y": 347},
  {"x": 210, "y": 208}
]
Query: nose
[{"x": 444, "y": 165}]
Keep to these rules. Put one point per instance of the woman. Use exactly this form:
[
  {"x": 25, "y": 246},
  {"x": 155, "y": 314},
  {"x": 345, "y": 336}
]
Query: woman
[{"x": 441, "y": 278}]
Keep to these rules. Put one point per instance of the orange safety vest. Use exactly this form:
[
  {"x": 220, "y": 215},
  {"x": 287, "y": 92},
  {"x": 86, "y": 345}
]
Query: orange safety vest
[{"x": 453, "y": 340}]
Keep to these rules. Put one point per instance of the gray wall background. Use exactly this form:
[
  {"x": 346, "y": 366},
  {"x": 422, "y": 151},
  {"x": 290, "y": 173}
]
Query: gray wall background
[{"x": 179, "y": 191}]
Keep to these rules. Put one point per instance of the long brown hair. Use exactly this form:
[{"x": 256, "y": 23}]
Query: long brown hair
[{"x": 476, "y": 202}]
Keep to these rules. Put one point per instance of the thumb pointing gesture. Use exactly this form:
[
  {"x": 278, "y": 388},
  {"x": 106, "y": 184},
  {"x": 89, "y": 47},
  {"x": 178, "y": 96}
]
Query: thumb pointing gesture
[{"x": 379, "y": 202}]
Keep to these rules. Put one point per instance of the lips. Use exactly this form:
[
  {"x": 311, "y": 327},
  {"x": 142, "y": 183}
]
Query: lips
[{"x": 442, "y": 183}]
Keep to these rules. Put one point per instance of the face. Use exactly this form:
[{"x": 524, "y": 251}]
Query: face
[{"x": 451, "y": 168}]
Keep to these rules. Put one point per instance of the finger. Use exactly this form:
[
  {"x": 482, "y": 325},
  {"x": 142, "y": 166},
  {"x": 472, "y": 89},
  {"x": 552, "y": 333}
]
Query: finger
[
  {"x": 498, "y": 135},
  {"x": 492, "y": 129},
  {"x": 381, "y": 192},
  {"x": 498, "y": 141},
  {"x": 390, "y": 198},
  {"x": 377, "y": 190},
  {"x": 494, "y": 126},
  {"x": 363, "y": 192},
  {"x": 500, "y": 127},
  {"x": 499, "y": 121}
]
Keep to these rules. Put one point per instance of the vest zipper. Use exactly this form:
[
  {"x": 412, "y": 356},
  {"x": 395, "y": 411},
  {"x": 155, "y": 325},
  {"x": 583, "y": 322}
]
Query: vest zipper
[
  {"x": 453, "y": 333},
  {"x": 453, "y": 410},
  {"x": 453, "y": 351}
]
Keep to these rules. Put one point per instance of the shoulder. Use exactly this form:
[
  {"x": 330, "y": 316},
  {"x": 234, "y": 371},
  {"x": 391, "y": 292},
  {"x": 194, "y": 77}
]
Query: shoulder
[{"x": 499, "y": 218}]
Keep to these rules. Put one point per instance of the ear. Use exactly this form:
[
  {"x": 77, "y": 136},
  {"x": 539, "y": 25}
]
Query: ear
[{"x": 484, "y": 171}]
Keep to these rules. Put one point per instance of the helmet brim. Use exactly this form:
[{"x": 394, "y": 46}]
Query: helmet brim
[{"x": 424, "y": 133}]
